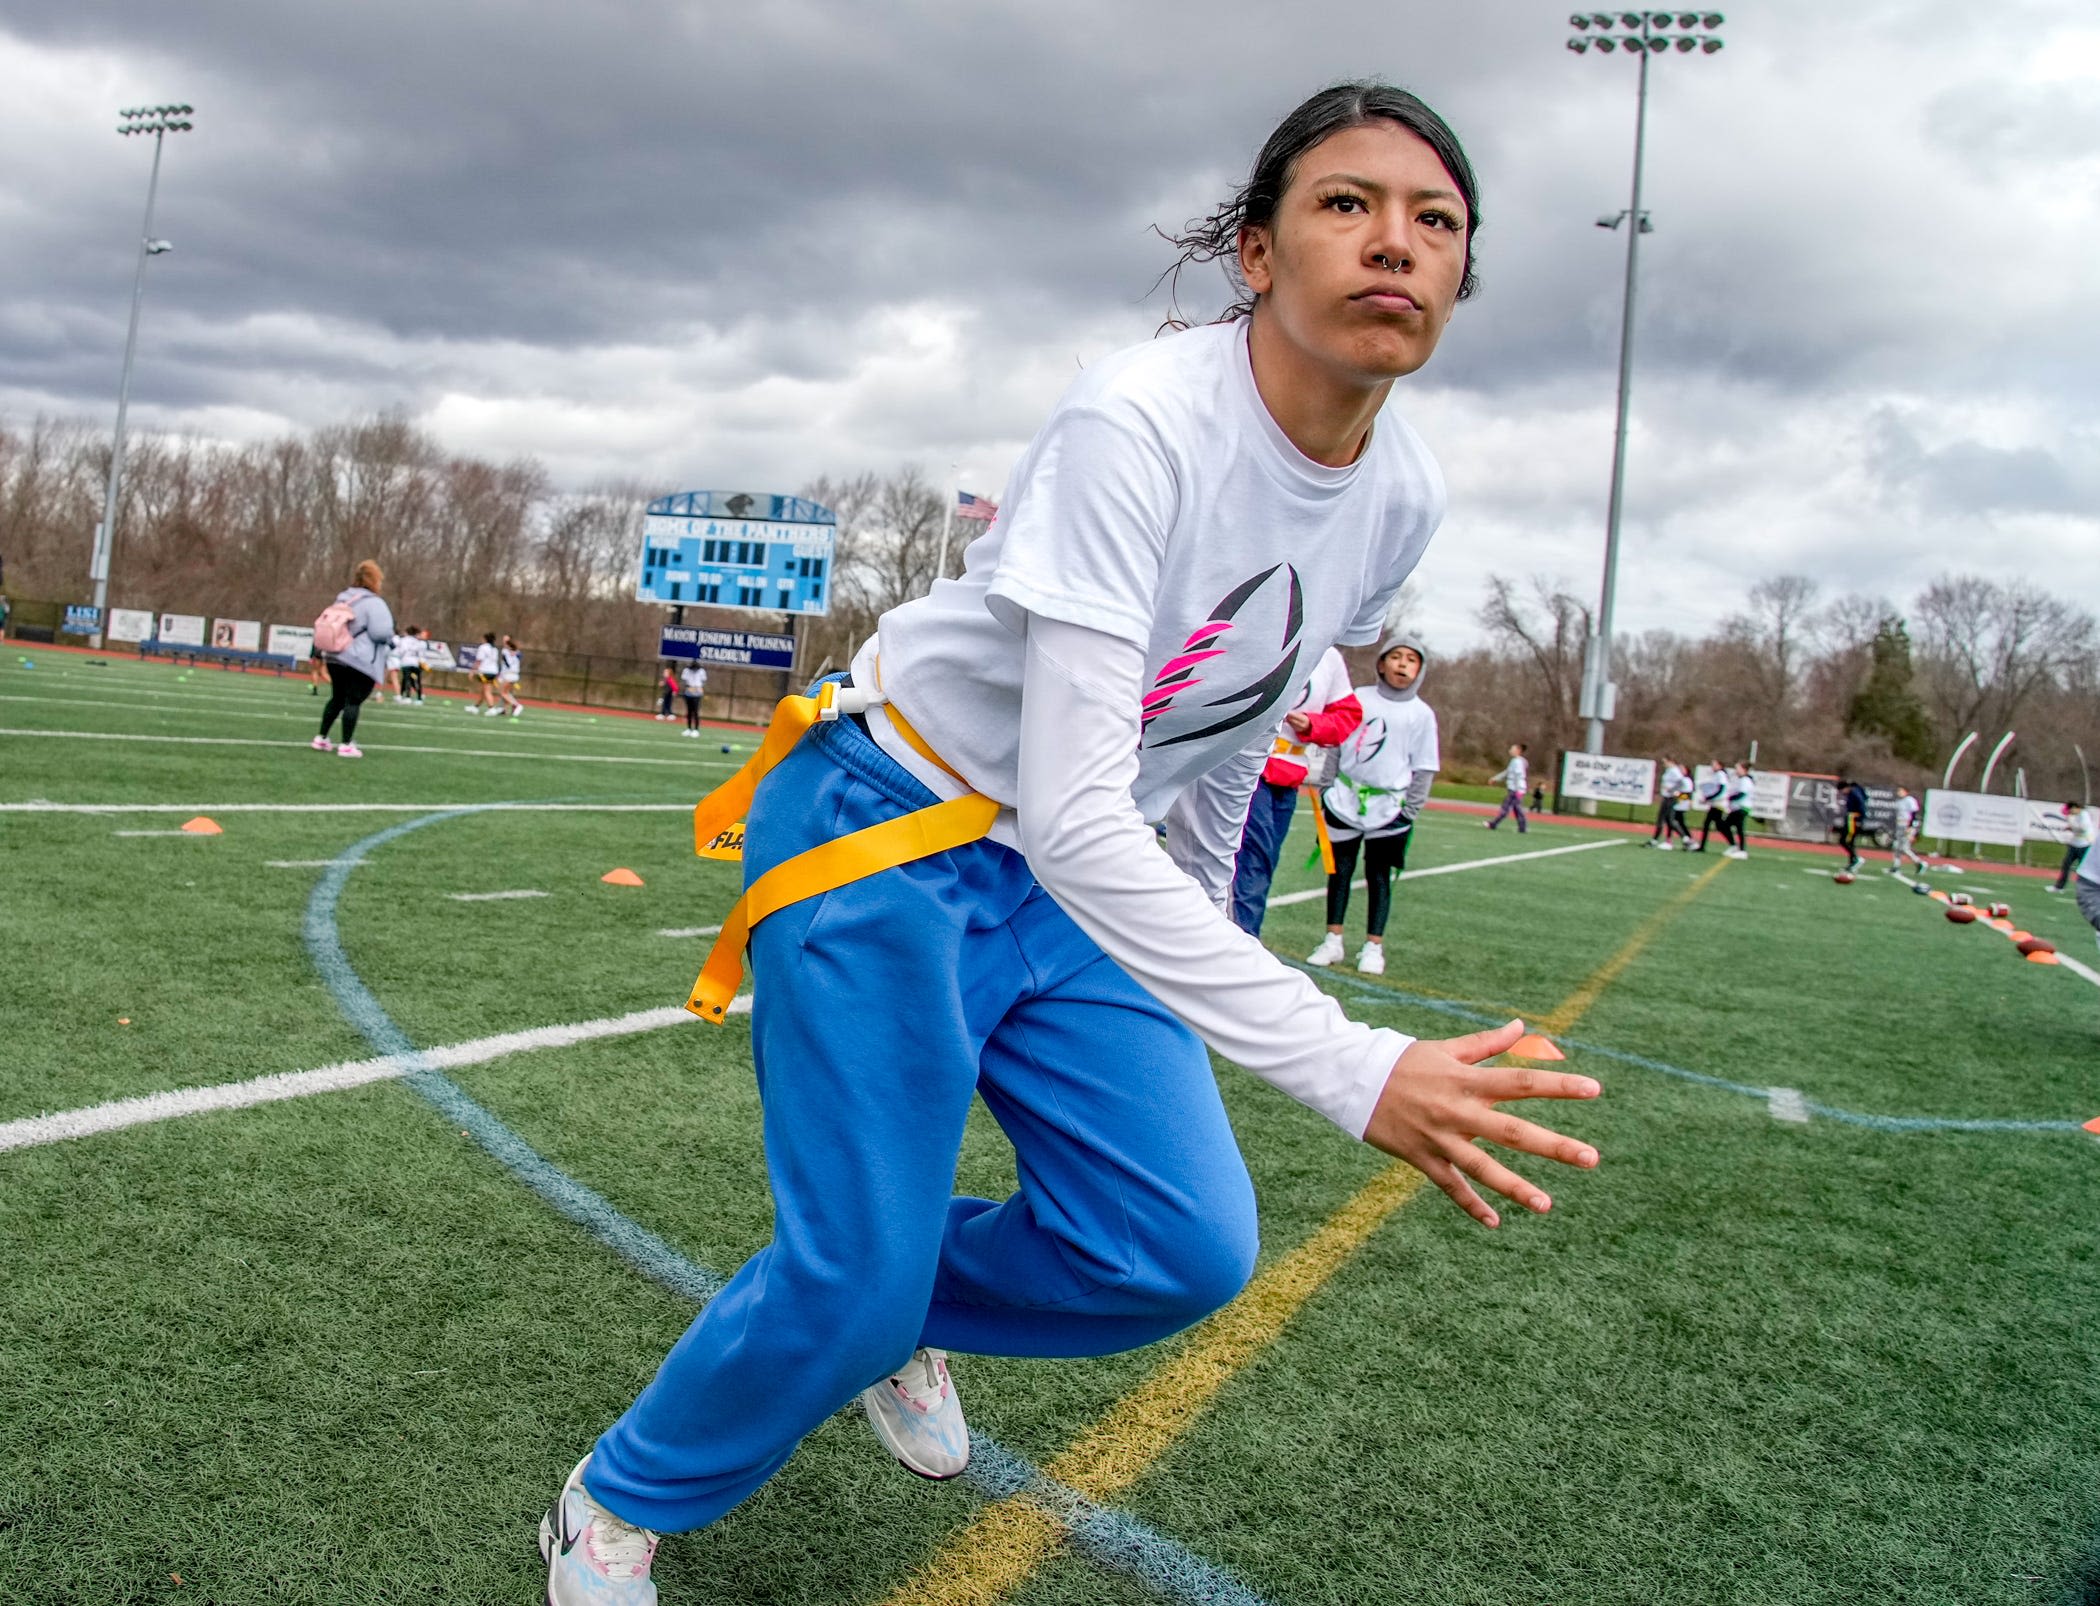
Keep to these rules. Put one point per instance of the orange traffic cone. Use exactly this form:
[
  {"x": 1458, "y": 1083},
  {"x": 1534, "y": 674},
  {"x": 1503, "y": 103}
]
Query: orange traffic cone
[
  {"x": 622, "y": 877},
  {"x": 2042, "y": 956},
  {"x": 203, "y": 825},
  {"x": 1531, "y": 1046},
  {"x": 2093, "y": 1126}
]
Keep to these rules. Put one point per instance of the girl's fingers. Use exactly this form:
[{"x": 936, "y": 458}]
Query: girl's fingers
[
  {"x": 1513, "y": 1133},
  {"x": 1445, "y": 1175},
  {"x": 1477, "y": 1046},
  {"x": 1489, "y": 1172},
  {"x": 1504, "y": 1082}
]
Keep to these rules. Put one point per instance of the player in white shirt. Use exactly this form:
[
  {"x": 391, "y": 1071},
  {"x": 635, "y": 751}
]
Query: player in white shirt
[
  {"x": 1903, "y": 834},
  {"x": 1711, "y": 790},
  {"x": 488, "y": 661},
  {"x": 408, "y": 652},
  {"x": 1200, "y": 517},
  {"x": 2087, "y": 886},
  {"x": 2078, "y": 845},
  {"x": 692, "y": 685},
  {"x": 1514, "y": 776},
  {"x": 1386, "y": 768},
  {"x": 510, "y": 668},
  {"x": 1741, "y": 793},
  {"x": 1675, "y": 790}
]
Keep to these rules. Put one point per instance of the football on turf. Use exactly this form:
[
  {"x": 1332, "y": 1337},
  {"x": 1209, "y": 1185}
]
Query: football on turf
[
  {"x": 1960, "y": 913},
  {"x": 2036, "y": 945},
  {"x": 1844, "y": 878},
  {"x": 1921, "y": 889}
]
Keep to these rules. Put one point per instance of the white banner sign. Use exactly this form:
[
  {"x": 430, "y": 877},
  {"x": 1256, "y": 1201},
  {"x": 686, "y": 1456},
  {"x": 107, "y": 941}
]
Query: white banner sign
[
  {"x": 292, "y": 641},
  {"x": 1608, "y": 779},
  {"x": 242, "y": 635},
  {"x": 129, "y": 624},
  {"x": 2047, "y": 822},
  {"x": 182, "y": 629},
  {"x": 1975, "y": 817}
]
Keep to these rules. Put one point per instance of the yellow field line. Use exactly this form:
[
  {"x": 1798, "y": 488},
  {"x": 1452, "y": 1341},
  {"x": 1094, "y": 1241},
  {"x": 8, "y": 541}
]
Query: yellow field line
[{"x": 1008, "y": 1541}]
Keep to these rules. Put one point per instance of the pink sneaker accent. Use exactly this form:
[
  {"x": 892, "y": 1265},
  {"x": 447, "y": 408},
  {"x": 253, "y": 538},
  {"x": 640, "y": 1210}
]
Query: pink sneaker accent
[
  {"x": 349, "y": 750},
  {"x": 322, "y": 744}
]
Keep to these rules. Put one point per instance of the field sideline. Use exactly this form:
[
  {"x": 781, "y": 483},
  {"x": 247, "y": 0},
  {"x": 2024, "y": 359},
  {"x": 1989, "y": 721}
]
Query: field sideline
[{"x": 1819, "y": 1329}]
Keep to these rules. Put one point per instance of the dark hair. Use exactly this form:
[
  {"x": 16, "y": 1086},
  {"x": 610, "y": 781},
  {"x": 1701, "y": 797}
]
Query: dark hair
[
  {"x": 489, "y": 636},
  {"x": 1523, "y": 747},
  {"x": 1253, "y": 205}
]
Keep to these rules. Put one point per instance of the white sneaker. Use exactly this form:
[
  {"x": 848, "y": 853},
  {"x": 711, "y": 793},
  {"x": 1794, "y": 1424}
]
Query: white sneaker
[
  {"x": 1666, "y": 846},
  {"x": 592, "y": 1557},
  {"x": 1329, "y": 952},
  {"x": 322, "y": 744},
  {"x": 1370, "y": 959},
  {"x": 918, "y": 1417},
  {"x": 1735, "y": 853},
  {"x": 349, "y": 750}
]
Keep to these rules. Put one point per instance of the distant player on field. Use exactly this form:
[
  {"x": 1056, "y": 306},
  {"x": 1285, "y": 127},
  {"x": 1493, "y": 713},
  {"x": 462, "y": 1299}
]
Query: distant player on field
[
  {"x": 1903, "y": 834},
  {"x": 2079, "y": 846},
  {"x": 1672, "y": 790},
  {"x": 1326, "y": 715},
  {"x": 1742, "y": 792},
  {"x": 488, "y": 661},
  {"x": 1852, "y": 821},
  {"x": 1712, "y": 793},
  {"x": 1370, "y": 806},
  {"x": 510, "y": 668},
  {"x": 692, "y": 685},
  {"x": 1514, "y": 776},
  {"x": 2087, "y": 885}
]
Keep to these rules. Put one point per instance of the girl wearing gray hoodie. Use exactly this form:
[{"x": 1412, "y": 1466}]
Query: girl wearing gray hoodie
[{"x": 353, "y": 670}]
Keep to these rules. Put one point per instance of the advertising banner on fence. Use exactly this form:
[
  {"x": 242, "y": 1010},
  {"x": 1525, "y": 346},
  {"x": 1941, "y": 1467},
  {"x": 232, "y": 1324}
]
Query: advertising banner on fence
[
  {"x": 182, "y": 629},
  {"x": 1975, "y": 817},
  {"x": 81, "y": 620},
  {"x": 1607, "y": 779},
  {"x": 1812, "y": 806},
  {"x": 129, "y": 624},
  {"x": 736, "y": 649},
  {"x": 293, "y": 641},
  {"x": 242, "y": 635},
  {"x": 2047, "y": 822}
]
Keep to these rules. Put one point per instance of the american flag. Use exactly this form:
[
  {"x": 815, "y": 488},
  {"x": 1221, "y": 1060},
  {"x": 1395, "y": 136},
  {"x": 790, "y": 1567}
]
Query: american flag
[{"x": 975, "y": 507}]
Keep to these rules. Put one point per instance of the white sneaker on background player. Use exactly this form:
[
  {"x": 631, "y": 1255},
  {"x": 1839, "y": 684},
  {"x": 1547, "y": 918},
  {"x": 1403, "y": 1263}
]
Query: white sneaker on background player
[
  {"x": 593, "y": 1558},
  {"x": 1370, "y": 959},
  {"x": 1330, "y": 951},
  {"x": 918, "y": 1416}
]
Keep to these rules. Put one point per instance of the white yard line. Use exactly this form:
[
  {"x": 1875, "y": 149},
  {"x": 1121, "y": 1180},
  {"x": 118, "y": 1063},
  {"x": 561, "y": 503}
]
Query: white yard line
[
  {"x": 302, "y": 864},
  {"x": 43, "y": 806},
  {"x": 493, "y": 897},
  {"x": 718, "y": 762},
  {"x": 689, "y": 931},
  {"x": 178, "y": 832},
  {"x": 32, "y": 1131},
  {"x": 1453, "y": 869},
  {"x": 2077, "y": 968},
  {"x": 306, "y": 717},
  {"x": 1787, "y": 1104}
]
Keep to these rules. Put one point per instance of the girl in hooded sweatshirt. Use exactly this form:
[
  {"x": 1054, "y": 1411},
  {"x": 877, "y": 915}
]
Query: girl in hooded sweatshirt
[
  {"x": 1386, "y": 769},
  {"x": 354, "y": 669}
]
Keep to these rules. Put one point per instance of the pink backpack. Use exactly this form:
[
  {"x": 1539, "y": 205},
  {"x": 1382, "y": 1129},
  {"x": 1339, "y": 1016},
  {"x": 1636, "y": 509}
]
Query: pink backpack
[{"x": 333, "y": 630}]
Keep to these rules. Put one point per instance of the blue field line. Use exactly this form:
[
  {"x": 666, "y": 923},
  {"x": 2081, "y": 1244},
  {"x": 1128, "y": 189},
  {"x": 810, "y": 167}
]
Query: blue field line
[
  {"x": 1828, "y": 1112},
  {"x": 1111, "y": 1539}
]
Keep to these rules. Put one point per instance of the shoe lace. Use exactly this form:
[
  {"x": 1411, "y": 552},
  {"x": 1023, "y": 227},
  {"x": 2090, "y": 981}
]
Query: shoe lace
[
  {"x": 620, "y": 1548},
  {"x": 923, "y": 1376}
]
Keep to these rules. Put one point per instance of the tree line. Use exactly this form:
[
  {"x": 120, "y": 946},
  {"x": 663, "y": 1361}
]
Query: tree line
[{"x": 270, "y": 531}]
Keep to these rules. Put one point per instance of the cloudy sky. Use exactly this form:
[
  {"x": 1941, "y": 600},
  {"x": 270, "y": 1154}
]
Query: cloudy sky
[{"x": 745, "y": 242}]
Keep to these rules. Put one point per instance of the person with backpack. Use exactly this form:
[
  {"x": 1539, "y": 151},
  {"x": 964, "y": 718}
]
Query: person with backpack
[{"x": 352, "y": 636}]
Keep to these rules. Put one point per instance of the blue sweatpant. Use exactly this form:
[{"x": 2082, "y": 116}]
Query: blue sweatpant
[
  {"x": 879, "y": 1010},
  {"x": 1261, "y": 844}
]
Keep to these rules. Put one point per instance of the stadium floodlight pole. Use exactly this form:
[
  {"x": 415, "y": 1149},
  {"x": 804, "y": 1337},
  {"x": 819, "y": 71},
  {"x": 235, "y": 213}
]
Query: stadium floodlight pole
[
  {"x": 160, "y": 122},
  {"x": 1645, "y": 34}
]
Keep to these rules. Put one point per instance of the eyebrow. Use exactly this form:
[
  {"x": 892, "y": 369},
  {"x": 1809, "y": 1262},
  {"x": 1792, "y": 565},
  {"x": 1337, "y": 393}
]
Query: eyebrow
[{"x": 1373, "y": 184}]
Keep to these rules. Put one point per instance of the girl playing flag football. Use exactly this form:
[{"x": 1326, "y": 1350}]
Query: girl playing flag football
[{"x": 953, "y": 884}]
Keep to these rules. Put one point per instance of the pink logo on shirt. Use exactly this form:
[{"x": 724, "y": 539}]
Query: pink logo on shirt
[{"x": 1226, "y": 634}]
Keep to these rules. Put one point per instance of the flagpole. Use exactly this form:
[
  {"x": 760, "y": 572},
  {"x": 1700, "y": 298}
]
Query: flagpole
[{"x": 948, "y": 518}]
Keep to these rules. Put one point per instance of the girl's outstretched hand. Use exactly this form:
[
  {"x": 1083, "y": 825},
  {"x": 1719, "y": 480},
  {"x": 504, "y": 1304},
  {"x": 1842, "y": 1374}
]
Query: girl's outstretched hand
[{"x": 1440, "y": 1098}]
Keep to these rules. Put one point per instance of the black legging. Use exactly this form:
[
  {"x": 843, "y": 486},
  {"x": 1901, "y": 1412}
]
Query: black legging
[
  {"x": 349, "y": 687},
  {"x": 412, "y": 681},
  {"x": 1387, "y": 854},
  {"x": 1715, "y": 816},
  {"x": 692, "y": 711},
  {"x": 1739, "y": 828}
]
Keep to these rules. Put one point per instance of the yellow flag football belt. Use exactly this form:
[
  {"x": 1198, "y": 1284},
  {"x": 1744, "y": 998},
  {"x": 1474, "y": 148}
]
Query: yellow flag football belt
[{"x": 718, "y": 833}]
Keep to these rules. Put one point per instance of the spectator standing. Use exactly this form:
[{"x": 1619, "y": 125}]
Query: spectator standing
[
  {"x": 669, "y": 688},
  {"x": 1514, "y": 776},
  {"x": 1326, "y": 715},
  {"x": 351, "y": 636},
  {"x": 692, "y": 683}
]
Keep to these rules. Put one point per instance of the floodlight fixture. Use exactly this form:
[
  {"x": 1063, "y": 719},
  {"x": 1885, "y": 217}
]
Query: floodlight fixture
[
  {"x": 1578, "y": 45},
  {"x": 1630, "y": 19},
  {"x": 1687, "y": 19},
  {"x": 1579, "y": 20},
  {"x": 1711, "y": 45},
  {"x": 1713, "y": 19},
  {"x": 1607, "y": 46},
  {"x": 1660, "y": 19},
  {"x": 156, "y": 248},
  {"x": 1684, "y": 45}
]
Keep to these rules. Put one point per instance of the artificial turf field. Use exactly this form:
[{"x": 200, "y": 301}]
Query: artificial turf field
[{"x": 330, "y": 1349}]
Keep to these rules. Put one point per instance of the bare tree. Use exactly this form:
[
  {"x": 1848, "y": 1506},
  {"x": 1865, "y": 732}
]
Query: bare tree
[
  {"x": 1548, "y": 630},
  {"x": 1987, "y": 649}
]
